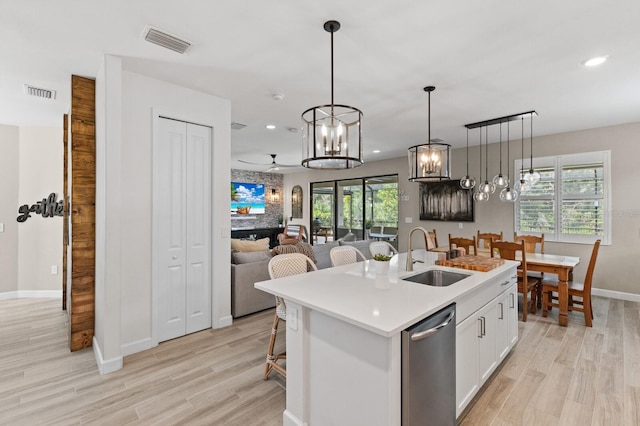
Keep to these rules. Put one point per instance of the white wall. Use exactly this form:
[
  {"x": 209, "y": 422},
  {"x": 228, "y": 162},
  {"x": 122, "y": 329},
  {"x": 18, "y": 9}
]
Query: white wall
[
  {"x": 41, "y": 173},
  {"x": 615, "y": 270},
  {"x": 9, "y": 178},
  {"x": 130, "y": 101},
  {"x": 30, "y": 169}
]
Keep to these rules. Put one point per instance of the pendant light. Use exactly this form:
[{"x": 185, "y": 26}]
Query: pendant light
[
  {"x": 429, "y": 161},
  {"x": 480, "y": 195},
  {"x": 499, "y": 179},
  {"x": 487, "y": 187},
  {"x": 508, "y": 194},
  {"x": 332, "y": 134},
  {"x": 467, "y": 182},
  {"x": 521, "y": 185},
  {"x": 532, "y": 177}
]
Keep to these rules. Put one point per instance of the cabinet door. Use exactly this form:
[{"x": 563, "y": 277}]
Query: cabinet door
[
  {"x": 512, "y": 315},
  {"x": 467, "y": 367},
  {"x": 487, "y": 358},
  {"x": 502, "y": 332}
]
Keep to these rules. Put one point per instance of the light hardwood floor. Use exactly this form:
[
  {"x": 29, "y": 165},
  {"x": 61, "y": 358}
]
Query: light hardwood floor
[{"x": 554, "y": 375}]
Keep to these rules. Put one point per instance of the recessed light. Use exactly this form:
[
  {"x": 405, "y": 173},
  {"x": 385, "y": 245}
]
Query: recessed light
[
  {"x": 595, "y": 61},
  {"x": 270, "y": 126},
  {"x": 376, "y": 151}
]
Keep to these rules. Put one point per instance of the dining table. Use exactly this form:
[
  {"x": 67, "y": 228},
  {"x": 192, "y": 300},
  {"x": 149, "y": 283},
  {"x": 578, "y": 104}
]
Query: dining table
[
  {"x": 550, "y": 263},
  {"x": 555, "y": 264}
]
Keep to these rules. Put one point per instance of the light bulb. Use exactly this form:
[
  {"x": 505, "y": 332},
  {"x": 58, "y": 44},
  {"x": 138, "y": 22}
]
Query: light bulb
[
  {"x": 467, "y": 182},
  {"x": 500, "y": 180},
  {"x": 532, "y": 177},
  {"x": 521, "y": 185},
  {"x": 487, "y": 187},
  {"x": 508, "y": 195},
  {"x": 481, "y": 196}
]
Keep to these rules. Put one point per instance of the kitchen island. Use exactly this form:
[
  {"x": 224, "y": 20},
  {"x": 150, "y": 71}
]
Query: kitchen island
[{"x": 344, "y": 329}]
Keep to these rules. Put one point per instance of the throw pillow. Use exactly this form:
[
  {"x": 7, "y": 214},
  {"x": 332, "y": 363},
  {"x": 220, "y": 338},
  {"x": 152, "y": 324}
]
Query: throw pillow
[
  {"x": 240, "y": 258},
  {"x": 249, "y": 245}
]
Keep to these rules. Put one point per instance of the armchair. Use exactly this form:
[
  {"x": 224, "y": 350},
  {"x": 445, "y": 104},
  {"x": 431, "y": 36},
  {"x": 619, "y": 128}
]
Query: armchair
[{"x": 293, "y": 234}]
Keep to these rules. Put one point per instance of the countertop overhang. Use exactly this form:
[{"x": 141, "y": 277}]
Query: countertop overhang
[{"x": 382, "y": 304}]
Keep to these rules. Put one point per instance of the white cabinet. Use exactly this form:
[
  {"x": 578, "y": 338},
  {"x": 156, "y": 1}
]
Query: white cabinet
[
  {"x": 507, "y": 322},
  {"x": 484, "y": 338}
]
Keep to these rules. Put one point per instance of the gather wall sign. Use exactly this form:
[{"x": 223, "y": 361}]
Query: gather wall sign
[{"x": 48, "y": 207}]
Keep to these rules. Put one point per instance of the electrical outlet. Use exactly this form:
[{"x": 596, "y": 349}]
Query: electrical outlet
[
  {"x": 54, "y": 269},
  {"x": 408, "y": 220},
  {"x": 1, "y": 227},
  {"x": 460, "y": 226}
]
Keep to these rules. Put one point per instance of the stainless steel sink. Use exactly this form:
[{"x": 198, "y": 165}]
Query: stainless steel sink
[{"x": 436, "y": 278}]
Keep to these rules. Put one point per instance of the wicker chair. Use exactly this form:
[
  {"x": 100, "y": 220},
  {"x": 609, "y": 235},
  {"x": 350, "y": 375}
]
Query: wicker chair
[
  {"x": 345, "y": 255},
  {"x": 283, "y": 265},
  {"x": 382, "y": 247}
]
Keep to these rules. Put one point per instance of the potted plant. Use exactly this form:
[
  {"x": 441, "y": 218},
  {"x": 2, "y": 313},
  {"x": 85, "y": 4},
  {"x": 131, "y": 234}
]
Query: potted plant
[{"x": 381, "y": 262}]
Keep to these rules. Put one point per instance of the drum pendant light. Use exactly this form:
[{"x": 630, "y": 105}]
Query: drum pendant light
[
  {"x": 332, "y": 134},
  {"x": 429, "y": 161}
]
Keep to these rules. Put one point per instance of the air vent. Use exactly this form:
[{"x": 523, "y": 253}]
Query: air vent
[
  {"x": 39, "y": 92},
  {"x": 166, "y": 40},
  {"x": 237, "y": 126}
]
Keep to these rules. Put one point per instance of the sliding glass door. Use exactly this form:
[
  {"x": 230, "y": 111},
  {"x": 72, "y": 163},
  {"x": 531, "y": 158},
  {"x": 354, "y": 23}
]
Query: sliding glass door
[{"x": 355, "y": 209}]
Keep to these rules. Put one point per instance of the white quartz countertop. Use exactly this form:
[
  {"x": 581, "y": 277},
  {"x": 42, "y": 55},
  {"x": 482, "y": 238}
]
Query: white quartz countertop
[{"x": 383, "y": 304}]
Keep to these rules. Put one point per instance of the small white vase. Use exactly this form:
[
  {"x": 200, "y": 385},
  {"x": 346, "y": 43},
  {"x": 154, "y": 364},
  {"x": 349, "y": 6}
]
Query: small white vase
[{"x": 382, "y": 268}]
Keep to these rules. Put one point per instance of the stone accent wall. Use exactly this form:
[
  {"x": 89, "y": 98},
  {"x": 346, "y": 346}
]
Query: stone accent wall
[{"x": 273, "y": 210}]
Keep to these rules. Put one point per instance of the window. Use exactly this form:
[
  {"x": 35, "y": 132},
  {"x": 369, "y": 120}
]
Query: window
[{"x": 571, "y": 201}]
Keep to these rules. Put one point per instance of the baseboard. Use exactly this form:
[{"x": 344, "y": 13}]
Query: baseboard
[
  {"x": 631, "y": 297},
  {"x": 224, "y": 322},
  {"x": 135, "y": 347},
  {"x": 288, "y": 419},
  {"x": 105, "y": 366},
  {"x": 32, "y": 294}
]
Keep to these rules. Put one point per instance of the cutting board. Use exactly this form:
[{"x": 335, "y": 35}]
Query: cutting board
[{"x": 473, "y": 263}]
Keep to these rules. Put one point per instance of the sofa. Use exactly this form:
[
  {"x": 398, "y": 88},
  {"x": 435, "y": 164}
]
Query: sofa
[{"x": 250, "y": 267}]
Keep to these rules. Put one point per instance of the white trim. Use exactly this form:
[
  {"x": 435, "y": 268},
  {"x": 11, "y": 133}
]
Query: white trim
[
  {"x": 32, "y": 294},
  {"x": 139, "y": 346},
  {"x": 612, "y": 294},
  {"x": 105, "y": 366},
  {"x": 224, "y": 322},
  {"x": 288, "y": 419}
]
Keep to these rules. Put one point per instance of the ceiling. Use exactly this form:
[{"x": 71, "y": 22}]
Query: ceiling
[{"x": 487, "y": 59}]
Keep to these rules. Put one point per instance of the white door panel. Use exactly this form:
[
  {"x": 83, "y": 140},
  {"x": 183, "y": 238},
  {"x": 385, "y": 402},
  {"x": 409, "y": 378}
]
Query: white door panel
[{"x": 182, "y": 206}]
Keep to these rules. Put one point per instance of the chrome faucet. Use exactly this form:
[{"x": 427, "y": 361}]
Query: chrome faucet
[{"x": 409, "y": 266}]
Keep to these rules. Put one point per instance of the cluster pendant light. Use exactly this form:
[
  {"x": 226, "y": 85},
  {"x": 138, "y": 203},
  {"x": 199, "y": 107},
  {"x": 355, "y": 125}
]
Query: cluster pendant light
[
  {"x": 429, "y": 161},
  {"x": 486, "y": 188},
  {"x": 508, "y": 194},
  {"x": 467, "y": 182},
  {"x": 332, "y": 134}
]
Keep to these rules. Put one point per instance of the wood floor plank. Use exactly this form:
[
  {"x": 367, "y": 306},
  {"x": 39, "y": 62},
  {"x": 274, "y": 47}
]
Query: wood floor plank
[{"x": 554, "y": 376}]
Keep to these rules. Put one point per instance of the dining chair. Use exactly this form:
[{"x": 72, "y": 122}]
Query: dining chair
[
  {"x": 382, "y": 247},
  {"x": 283, "y": 265},
  {"x": 345, "y": 255},
  {"x": 526, "y": 284},
  {"x": 467, "y": 243},
  {"x": 486, "y": 238},
  {"x": 392, "y": 231},
  {"x": 576, "y": 289},
  {"x": 530, "y": 242},
  {"x": 432, "y": 239}
]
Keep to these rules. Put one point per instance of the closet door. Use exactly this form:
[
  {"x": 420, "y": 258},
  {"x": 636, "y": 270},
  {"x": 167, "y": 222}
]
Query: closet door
[{"x": 182, "y": 200}]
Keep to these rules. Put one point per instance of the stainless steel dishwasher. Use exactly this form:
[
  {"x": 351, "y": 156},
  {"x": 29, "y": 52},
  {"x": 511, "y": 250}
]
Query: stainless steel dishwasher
[{"x": 429, "y": 370}]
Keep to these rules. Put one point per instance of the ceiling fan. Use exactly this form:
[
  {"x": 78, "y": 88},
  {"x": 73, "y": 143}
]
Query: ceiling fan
[{"x": 273, "y": 165}]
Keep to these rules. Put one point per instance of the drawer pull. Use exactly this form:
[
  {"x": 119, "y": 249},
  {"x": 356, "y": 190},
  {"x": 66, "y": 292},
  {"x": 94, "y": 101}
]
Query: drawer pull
[{"x": 506, "y": 282}]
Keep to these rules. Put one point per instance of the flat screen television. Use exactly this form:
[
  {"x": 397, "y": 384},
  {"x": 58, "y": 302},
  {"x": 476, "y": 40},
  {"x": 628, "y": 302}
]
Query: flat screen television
[{"x": 247, "y": 198}]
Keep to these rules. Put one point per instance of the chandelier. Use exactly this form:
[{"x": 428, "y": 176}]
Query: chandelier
[
  {"x": 332, "y": 134},
  {"x": 429, "y": 161}
]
